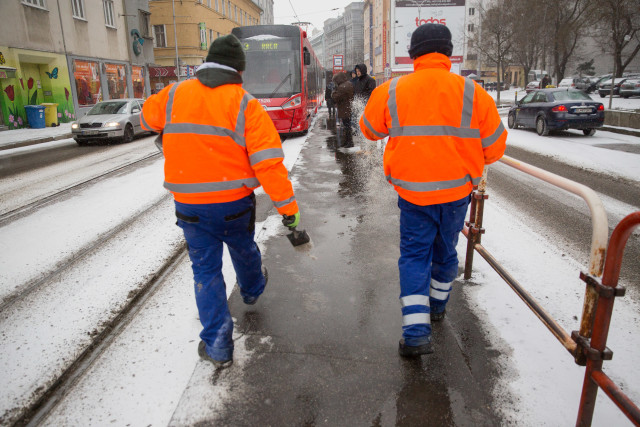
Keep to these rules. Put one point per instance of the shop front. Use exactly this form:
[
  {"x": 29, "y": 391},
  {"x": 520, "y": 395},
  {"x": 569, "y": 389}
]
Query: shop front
[
  {"x": 32, "y": 78},
  {"x": 97, "y": 80}
]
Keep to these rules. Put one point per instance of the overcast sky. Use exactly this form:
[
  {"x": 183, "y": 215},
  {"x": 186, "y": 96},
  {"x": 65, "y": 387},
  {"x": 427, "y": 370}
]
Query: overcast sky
[{"x": 315, "y": 12}]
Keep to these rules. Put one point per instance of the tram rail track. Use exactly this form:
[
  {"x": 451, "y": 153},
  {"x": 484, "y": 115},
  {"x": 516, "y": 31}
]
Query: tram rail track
[
  {"x": 54, "y": 393},
  {"x": 30, "y": 207},
  {"x": 31, "y": 286}
]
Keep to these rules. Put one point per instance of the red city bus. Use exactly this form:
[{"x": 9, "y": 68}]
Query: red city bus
[{"x": 283, "y": 73}]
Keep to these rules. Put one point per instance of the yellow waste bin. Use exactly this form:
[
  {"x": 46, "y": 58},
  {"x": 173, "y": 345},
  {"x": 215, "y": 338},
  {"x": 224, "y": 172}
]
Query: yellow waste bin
[{"x": 50, "y": 114}]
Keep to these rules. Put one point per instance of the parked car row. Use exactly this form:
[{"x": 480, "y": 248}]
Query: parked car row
[
  {"x": 546, "y": 110},
  {"x": 604, "y": 88},
  {"x": 630, "y": 87}
]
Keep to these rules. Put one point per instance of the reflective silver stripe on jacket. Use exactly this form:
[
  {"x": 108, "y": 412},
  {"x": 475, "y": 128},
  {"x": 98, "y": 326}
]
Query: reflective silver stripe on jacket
[
  {"x": 175, "y": 128},
  {"x": 488, "y": 141},
  {"x": 373, "y": 131},
  {"x": 467, "y": 103},
  {"x": 464, "y": 131},
  {"x": 283, "y": 203},
  {"x": 269, "y": 153},
  {"x": 414, "y": 300},
  {"x": 207, "y": 187},
  {"x": 392, "y": 105},
  {"x": 237, "y": 135},
  {"x": 240, "y": 121},
  {"x": 169, "y": 108},
  {"x": 416, "y": 319},
  {"x": 434, "y": 131},
  {"x": 144, "y": 122},
  {"x": 433, "y": 185}
]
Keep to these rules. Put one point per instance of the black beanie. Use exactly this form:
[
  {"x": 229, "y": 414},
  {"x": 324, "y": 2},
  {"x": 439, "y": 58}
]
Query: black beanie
[
  {"x": 227, "y": 50},
  {"x": 428, "y": 38}
]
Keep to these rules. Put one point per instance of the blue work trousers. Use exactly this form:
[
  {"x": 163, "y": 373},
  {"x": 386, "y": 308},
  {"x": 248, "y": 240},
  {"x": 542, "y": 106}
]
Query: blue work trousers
[
  {"x": 428, "y": 262},
  {"x": 206, "y": 227}
]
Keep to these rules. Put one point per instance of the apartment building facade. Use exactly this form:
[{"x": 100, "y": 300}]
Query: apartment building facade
[
  {"x": 198, "y": 23},
  {"x": 344, "y": 35},
  {"x": 70, "y": 53}
]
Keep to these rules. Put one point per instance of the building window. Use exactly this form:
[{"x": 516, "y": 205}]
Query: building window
[
  {"x": 470, "y": 28},
  {"x": 77, "y": 8},
  {"x": 109, "y": 21},
  {"x": 36, "y": 3},
  {"x": 210, "y": 36},
  {"x": 144, "y": 18},
  {"x": 216, "y": 5},
  {"x": 472, "y": 11},
  {"x": 87, "y": 79},
  {"x": 159, "y": 36},
  {"x": 235, "y": 13}
]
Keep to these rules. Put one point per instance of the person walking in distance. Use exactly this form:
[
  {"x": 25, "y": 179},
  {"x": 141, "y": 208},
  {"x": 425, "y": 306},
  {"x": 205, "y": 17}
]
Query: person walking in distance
[
  {"x": 443, "y": 129},
  {"x": 364, "y": 84},
  {"x": 343, "y": 96},
  {"x": 327, "y": 96},
  {"x": 219, "y": 145}
]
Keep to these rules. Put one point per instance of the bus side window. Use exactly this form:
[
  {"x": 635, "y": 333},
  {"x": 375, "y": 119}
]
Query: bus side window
[{"x": 307, "y": 57}]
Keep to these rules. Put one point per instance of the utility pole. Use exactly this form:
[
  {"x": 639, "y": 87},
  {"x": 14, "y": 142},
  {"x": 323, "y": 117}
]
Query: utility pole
[{"x": 175, "y": 38}]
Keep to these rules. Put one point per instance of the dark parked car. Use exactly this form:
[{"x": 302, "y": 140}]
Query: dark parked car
[
  {"x": 114, "y": 119},
  {"x": 557, "y": 109},
  {"x": 595, "y": 81},
  {"x": 604, "y": 87},
  {"x": 630, "y": 87}
]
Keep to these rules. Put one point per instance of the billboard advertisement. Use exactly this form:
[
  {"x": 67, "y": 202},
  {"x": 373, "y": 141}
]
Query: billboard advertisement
[{"x": 408, "y": 15}]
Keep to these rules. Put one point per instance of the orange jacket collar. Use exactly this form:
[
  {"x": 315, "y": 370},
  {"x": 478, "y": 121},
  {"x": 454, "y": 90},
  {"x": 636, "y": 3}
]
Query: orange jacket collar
[{"x": 432, "y": 60}]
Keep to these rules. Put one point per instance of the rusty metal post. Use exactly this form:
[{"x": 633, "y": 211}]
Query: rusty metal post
[
  {"x": 476, "y": 214},
  {"x": 602, "y": 322}
]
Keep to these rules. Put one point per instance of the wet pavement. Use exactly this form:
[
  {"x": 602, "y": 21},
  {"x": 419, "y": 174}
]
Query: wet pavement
[{"x": 324, "y": 335}]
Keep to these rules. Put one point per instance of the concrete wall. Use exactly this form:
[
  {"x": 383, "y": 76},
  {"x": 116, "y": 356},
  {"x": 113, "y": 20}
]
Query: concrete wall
[{"x": 625, "y": 119}]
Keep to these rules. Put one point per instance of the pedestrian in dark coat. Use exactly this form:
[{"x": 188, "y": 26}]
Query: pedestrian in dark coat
[
  {"x": 364, "y": 84},
  {"x": 327, "y": 95},
  {"x": 343, "y": 95}
]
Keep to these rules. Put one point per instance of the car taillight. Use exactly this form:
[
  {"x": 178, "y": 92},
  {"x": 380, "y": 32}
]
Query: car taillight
[
  {"x": 600, "y": 107},
  {"x": 559, "y": 109},
  {"x": 637, "y": 84}
]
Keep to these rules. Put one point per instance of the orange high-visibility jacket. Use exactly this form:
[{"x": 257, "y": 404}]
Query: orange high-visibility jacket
[
  {"x": 442, "y": 130},
  {"x": 219, "y": 144}
]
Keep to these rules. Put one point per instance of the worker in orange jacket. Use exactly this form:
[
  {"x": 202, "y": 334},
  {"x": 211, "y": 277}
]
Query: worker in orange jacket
[
  {"x": 443, "y": 129},
  {"x": 219, "y": 145}
]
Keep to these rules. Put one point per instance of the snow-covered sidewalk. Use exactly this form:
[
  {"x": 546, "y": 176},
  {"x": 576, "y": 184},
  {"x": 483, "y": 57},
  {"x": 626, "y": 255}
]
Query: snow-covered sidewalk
[{"x": 21, "y": 137}]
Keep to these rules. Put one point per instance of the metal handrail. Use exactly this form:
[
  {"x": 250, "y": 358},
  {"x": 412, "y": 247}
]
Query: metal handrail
[
  {"x": 599, "y": 296},
  {"x": 599, "y": 235}
]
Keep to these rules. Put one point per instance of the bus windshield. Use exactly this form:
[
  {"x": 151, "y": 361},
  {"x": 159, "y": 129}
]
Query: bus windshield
[{"x": 273, "y": 66}]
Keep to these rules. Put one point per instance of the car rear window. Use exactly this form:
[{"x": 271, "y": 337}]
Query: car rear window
[{"x": 571, "y": 95}]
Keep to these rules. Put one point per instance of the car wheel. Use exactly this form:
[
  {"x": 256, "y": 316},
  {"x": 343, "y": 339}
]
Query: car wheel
[
  {"x": 588, "y": 132},
  {"x": 541, "y": 126},
  {"x": 625, "y": 96},
  {"x": 82, "y": 142},
  {"x": 602, "y": 95},
  {"x": 128, "y": 133},
  {"x": 511, "y": 121}
]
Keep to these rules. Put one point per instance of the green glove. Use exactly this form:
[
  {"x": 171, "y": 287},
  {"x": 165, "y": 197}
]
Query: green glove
[{"x": 291, "y": 221}]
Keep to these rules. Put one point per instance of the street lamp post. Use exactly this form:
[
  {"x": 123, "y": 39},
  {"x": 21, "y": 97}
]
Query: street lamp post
[{"x": 175, "y": 38}]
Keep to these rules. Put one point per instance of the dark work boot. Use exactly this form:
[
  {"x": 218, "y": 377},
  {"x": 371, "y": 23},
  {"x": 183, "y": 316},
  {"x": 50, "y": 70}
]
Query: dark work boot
[
  {"x": 219, "y": 364},
  {"x": 252, "y": 300},
  {"x": 436, "y": 317},
  {"x": 414, "y": 351}
]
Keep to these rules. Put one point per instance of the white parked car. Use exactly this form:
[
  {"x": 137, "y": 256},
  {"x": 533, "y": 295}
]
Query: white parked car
[{"x": 114, "y": 119}]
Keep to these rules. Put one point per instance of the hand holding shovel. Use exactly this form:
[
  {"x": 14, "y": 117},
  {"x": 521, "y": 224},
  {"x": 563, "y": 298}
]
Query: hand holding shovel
[{"x": 296, "y": 237}]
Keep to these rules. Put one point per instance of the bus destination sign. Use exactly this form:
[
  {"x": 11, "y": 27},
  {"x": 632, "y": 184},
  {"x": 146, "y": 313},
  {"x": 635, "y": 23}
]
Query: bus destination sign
[{"x": 267, "y": 45}]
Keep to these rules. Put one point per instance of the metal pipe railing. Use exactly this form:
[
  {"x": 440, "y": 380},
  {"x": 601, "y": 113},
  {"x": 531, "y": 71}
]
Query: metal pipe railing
[
  {"x": 599, "y": 235},
  {"x": 594, "y": 377}
]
